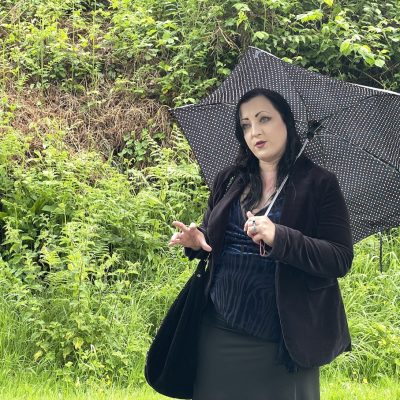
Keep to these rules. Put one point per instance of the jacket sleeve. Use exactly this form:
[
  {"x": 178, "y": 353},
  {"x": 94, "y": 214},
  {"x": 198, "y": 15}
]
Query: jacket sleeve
[
  {"x": 329, "y": 253},
  {"x": 201, "y": 254}
]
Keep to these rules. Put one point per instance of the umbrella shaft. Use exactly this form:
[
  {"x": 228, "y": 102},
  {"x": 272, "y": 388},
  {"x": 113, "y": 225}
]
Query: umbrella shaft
[{"x": 284, "y": 181}]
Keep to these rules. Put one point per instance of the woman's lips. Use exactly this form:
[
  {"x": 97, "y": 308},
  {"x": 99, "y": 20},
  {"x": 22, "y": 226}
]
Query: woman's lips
[{"x": 260, "y": 144}]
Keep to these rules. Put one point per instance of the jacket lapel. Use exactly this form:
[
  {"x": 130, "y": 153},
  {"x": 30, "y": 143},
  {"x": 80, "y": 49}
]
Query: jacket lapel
[
  {"x": 220, "y": 214},
  {"x": 293, "y": 193}
]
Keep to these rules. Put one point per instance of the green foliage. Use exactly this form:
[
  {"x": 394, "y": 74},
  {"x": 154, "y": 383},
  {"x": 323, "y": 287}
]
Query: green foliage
[
  {"x": 372, "y": 304},
  {"x": 82, "y": 244},
  {"x": 48, "y": 41},
  {"x": 85, "y": 275},
  {"x": 177, "y": 50}
]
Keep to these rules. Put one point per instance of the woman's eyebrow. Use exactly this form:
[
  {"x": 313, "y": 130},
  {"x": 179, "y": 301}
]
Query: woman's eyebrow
[
  {"x": 260, "y": 113},
  {"x": 256, "y": 115}
]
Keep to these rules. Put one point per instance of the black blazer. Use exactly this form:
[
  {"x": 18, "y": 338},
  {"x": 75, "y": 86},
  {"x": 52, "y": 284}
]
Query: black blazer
[{"x": 312, "y": 248}]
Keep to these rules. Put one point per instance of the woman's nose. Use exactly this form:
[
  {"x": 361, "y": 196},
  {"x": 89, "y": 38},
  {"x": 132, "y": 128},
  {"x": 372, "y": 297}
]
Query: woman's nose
[{"x": 255, "y": 130}]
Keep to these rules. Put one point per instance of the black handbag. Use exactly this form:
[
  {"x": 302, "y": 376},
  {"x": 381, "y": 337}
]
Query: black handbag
[{"x": 172, "y": 358}]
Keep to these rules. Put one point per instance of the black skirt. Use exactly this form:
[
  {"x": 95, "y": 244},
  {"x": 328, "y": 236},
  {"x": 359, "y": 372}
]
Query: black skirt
[{"x": 235, "y": 366}]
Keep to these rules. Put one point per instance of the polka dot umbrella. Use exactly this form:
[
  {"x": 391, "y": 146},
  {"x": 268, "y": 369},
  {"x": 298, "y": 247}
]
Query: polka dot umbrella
[{"x": 358, "y": 136}]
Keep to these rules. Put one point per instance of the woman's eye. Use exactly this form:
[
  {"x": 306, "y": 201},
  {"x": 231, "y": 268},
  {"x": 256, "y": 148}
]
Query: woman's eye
[
  {"x": 245, "y": 127},
  {"x": 264, "y": 119}
]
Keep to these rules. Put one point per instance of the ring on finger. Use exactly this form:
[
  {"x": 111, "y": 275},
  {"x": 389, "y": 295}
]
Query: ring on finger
[{"x": 254, "y": 229}]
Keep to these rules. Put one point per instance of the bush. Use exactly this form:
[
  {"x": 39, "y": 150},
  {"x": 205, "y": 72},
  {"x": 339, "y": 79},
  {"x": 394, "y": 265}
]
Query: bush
[
  {"x": 84, "y": 266},
  {"x": 175, "y": 51}
]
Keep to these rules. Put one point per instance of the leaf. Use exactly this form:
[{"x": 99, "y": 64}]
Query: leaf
[
  {"x": 27, "y": 238},
  {"x": 313, "y": 15},
  {"x": 380, "y": 63},
  {"x": 288, "y": 60},
  {"x": 345, "y": 47},
  {"x": 37, "y": 355},
  {"x": 242, "y": 7},
  {"x": 66, "y": 352},
  {"x": 261, "y": 35},
  {"x": 78, "y": 342},
  {"x": 49, "y": 208},
  {"x": 366, "y": 54},
  {"x": 329, "y": 2}
]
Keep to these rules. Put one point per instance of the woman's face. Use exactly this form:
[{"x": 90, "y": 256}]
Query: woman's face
[{"x": 264, "y": 131}]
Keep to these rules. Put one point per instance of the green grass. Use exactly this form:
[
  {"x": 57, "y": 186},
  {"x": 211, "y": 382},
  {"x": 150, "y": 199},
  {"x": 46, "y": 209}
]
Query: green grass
[
  {"x": 30, "y": 387},
  {"x": 343, "y": 389}
]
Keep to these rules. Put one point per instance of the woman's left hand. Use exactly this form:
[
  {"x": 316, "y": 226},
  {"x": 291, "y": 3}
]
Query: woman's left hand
[{"x": 260, "y": 228}]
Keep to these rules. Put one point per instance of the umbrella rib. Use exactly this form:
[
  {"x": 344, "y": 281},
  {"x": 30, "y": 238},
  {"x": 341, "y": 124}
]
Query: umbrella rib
[
  {"x": 397, "y": 170},
  {"x": 380, "y": 90},
  {"x": 347, "y": 108},
  {"x": 290, "y": 79},
  {"x": 203, "y": 105},
  {"x": 215, "y": 104}
]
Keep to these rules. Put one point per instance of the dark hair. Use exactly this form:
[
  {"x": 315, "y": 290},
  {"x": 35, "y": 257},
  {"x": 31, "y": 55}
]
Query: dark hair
[{"x": 247, "y": 162}]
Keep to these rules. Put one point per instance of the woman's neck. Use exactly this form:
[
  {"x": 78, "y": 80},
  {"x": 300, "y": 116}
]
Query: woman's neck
[{"x": 268, "y": 173}]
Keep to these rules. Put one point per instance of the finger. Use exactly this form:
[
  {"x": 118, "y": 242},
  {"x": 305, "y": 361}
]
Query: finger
[
  {"x": 180, "y": 225},
  {"x": 257, "y": 238},
  {"x": 205, "y": 246},
  {"x": 173, "y": 242},
  {"x": 249, "y": 232},
  {"x": 175, "y": 239},
  {"x": 249, "y": 214},
  {"x": 192, "y": 226},
  {"x": 175, "y": 236},
  {"x": 249, "y": 222}
]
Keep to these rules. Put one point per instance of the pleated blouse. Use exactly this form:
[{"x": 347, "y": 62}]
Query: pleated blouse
[{"x": 243, "y": 289}]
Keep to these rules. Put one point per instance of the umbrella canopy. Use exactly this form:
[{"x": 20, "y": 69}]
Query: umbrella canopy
[{"x": 358, "y": 136}]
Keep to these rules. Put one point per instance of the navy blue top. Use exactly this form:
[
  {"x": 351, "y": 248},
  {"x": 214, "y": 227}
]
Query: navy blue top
[{"x": 243, "y": 288}]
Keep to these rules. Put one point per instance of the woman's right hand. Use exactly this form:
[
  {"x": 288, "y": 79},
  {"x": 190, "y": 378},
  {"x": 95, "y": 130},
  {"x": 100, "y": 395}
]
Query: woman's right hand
[{"x": 189, "y": 236}]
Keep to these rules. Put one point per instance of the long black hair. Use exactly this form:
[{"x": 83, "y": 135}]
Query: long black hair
[{"x": 247, "y": 163}]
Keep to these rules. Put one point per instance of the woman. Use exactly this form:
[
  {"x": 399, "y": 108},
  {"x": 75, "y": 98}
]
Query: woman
[{"x": 275, "y": 312}]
